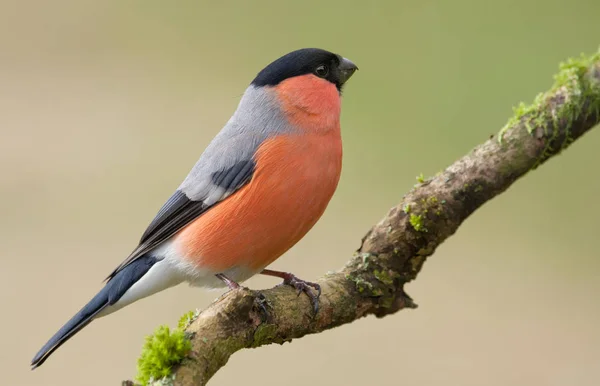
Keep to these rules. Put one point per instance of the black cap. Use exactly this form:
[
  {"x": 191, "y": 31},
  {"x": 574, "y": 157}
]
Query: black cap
[{"x": 321, "y": 63}]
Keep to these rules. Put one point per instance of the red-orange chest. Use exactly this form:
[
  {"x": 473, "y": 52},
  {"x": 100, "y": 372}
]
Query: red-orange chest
[{"x": 294, "y": 180}]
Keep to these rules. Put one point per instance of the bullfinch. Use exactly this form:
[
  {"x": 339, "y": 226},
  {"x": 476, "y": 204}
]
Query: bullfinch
[{"x": 257, "y": 189}]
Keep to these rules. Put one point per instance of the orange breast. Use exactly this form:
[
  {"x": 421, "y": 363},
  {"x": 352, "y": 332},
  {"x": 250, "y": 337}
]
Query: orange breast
[
  {"x": 294, "y": 180},
  {"x": 310, "y": 103}
]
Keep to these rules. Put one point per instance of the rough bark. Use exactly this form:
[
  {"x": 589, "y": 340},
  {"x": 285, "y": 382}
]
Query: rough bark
[{"x": 393, "y": 251}]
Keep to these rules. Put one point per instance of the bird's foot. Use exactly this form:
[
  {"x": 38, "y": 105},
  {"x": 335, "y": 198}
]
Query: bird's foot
[
  {"x": 306, "y": 287},
  {"x": 230, "y": 283},
  {"x": 260, "y": 300},
  {"x": 300, "y": 286},
  {"x": 262, "y": 304}
]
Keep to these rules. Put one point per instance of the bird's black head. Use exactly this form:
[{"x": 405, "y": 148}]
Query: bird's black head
[{"x": 321, "y": 63}]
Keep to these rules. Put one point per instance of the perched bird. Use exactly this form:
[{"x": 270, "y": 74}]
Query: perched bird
[{"x": 257, "y": 189}]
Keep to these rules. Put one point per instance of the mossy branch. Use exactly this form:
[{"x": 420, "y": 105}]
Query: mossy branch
[{"x": 393, "y": 251}]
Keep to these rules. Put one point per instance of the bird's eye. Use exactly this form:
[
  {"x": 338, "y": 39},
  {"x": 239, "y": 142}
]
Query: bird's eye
[{"x": 322, "y": 71}]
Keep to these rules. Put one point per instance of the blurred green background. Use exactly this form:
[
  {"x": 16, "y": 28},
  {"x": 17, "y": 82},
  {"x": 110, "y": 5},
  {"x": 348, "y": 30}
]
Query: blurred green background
[{"x": 105, "y": 105}]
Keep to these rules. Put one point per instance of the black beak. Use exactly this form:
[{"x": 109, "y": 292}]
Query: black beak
[{"x": 346, "y": 68}]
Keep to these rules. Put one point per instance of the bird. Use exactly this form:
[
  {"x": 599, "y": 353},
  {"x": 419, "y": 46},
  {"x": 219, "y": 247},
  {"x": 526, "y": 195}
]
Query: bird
[{"x": 259, "y": 186}]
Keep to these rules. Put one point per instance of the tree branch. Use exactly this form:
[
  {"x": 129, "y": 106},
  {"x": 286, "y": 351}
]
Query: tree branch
[{"x": 393, "y": 251}]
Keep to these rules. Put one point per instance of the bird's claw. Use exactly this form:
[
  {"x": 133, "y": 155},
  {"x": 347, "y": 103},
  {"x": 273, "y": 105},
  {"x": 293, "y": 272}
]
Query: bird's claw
[
  {"x": 306, "y": 287},
  {"x": 263, "y": 304}
]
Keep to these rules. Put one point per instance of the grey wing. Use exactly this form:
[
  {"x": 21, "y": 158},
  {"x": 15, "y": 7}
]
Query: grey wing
[{"x": 185, "y": 205}]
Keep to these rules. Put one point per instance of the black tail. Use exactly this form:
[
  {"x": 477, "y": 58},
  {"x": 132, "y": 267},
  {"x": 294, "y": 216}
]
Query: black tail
[{"x": 112, "y": 291}]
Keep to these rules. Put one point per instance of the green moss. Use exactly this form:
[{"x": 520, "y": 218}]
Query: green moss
[
  {"x": 421, "y": 211},
  {"x": 187, "y": 319},
  {"x": 386, "y": 301},
  {"x": 364, "y": 287},
  {"x": 365, "y": 259},
  {"x": 571, "y": 80},
  {"x": 417, "y": 261},
  {"x": 416, "y": 220},
  {"x": 385, "y": 276},
  {"x": 420, "y": 178},
  {"x": 376, "y": 292},
  {"x": 361, "y": 284},
  {"x": 161, "y": 352},
  {"x": 264, "y": 333}
]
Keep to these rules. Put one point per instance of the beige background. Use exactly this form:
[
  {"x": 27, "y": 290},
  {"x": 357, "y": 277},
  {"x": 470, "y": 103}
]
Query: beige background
[{"x": 105, "y": 105}]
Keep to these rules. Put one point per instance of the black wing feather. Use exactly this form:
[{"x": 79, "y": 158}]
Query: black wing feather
[
  {"x": 174, "y": 205},
  {"x": 235, "y": 176}
]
